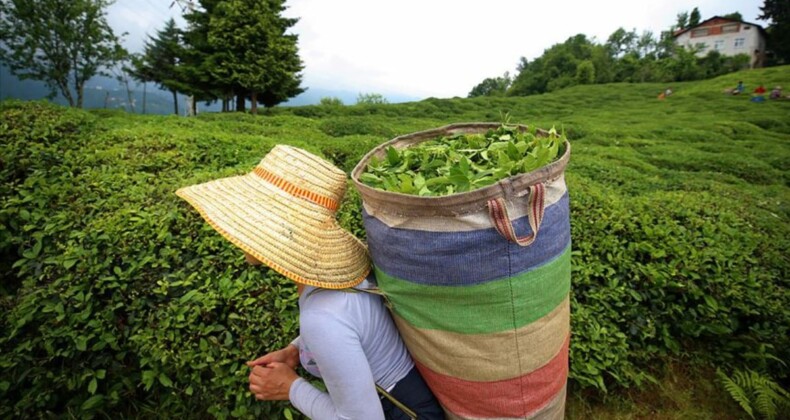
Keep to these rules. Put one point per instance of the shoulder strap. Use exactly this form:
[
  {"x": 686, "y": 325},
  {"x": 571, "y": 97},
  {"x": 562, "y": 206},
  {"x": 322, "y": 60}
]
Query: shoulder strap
[
  {"x": 397, "y": 403},
  {"x": 372, "y": 290}
]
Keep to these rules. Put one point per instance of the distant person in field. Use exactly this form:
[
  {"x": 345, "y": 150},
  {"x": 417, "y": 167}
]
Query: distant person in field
[
  {"x": 776, "y": 93},
  {"x": 283, "y": 215},
  {"x": 759, "y": 94},
  {"x": 738, "y": 89}
]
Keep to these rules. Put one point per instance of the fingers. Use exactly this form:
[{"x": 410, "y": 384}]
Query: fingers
[
  {"x": 262, "y": 361},
  {"x": 259, "y": 372}
]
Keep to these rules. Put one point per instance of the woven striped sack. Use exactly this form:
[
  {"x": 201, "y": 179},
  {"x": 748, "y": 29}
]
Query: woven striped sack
[{"x": 478, "y": 284}]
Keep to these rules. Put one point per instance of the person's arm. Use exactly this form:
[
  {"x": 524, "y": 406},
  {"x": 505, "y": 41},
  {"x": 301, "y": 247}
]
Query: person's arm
[{"x": 336, "y": 348}]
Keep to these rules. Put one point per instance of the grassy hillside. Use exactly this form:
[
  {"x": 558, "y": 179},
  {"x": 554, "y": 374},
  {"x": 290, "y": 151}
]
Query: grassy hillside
[{"x": 117, "y": 298}]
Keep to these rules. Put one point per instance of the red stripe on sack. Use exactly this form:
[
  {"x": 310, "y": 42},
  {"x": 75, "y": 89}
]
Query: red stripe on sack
[
  {"x": 501, "y": 398},
  {"x": 296, "y": 191}
]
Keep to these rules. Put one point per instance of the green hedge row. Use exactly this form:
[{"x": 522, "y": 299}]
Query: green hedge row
[{"x": 117, "y": 299}]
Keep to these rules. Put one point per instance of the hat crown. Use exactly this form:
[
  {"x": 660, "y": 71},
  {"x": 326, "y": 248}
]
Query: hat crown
[{"x": 306, "y": 171}]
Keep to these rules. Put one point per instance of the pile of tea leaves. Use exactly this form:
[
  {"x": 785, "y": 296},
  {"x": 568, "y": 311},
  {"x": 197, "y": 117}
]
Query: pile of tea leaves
[{"x": 462, "y": 162}]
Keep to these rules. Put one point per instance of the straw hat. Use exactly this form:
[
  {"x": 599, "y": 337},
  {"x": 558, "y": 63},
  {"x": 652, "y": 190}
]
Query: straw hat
[{"x": 283, "y": 214}]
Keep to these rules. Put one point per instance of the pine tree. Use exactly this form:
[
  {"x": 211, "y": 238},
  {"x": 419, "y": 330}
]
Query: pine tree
[
  {"x": 200, "y": 59},
  {"x": 253, "y": 52},
  {"x": 160, "y": 60},
  {"x": 694, "y": 18}
]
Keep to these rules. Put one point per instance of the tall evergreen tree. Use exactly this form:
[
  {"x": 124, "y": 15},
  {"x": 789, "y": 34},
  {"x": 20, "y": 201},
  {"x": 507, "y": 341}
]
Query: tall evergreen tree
[
  {"x": 255, "y": 53},
  {"x": 682, "y": 20},
  {"x": 160, "y": 60},
  {"x": 694, "y": 18},
  {"x": 778, "y": 12},
  {"x": 196, "y": 70},
  {"x": 63, "y": 43}
]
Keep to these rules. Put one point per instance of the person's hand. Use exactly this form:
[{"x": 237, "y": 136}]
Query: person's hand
[
  {"x": 289, "y": 355},
  {"x": 272, "y": 382}
]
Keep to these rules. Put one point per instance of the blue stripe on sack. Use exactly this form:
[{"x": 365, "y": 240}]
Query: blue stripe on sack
[{"x": 465, "y": 258}]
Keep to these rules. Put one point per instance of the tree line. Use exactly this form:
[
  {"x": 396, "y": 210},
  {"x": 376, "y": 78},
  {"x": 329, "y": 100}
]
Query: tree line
[
  {"x": 628, "y": 56},
  {"x": 230, "y": 49}
]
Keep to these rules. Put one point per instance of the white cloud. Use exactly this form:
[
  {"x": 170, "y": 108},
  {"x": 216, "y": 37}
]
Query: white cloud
[{"x": 140, "y": 18}]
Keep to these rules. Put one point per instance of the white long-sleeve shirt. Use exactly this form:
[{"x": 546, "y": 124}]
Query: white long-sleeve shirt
[{"x": 350, "y": 341}]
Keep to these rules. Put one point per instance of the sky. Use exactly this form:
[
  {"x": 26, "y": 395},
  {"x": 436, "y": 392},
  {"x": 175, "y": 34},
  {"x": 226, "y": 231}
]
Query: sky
[{"x": 435, "y": 48}]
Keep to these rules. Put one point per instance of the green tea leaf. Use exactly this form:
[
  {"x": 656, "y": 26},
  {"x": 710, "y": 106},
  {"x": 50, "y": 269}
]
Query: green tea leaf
[
  {"x": 460, "y": 162},
  {"x": 164, "y": 380},
  {"x": 393, "y": 157},
  {"x": 92, "y": 402}
]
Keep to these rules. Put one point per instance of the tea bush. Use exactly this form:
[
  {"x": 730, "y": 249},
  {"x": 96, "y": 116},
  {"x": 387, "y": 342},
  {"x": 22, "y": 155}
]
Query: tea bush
[
  {"x": 118, "y": 300},
  {"x": 127, "y": 301}
]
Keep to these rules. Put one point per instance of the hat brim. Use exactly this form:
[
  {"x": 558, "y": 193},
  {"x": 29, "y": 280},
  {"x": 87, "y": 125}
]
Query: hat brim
[{"x": 297, "y": 238}]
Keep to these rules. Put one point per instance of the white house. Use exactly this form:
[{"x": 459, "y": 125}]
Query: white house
[{"x": 727, "y": 36}]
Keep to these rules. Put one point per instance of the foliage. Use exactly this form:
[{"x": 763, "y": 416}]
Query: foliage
[
  {"x": 682, "y": 21},
  {"x": 626, "y": 56},
  {"x": 461, "y": 162},
  {"x": 330, "y": 101},
  {"x": 63, "y": 43},
  {"x": 347, "y": 126},
  {"x": 694, "y": 17},
  {"x": 160, "y": 59},
  {"x": 118, "y": 300},
  {"x": 117, "y": 306},
  {"x": 240, "y": 47},
  {"x": 496, "y": 86},
  {"x": 253, "y": 52},
  {"x": 778, "y": 12},
  {"x": 371, "y": 99},
  {"x": 755, "y": 392},
  {"x": 199, "y": 61}
]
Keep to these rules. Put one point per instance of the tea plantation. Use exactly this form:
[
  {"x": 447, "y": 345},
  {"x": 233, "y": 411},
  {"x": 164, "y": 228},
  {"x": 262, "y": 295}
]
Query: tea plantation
[{"x": 117, "y": 300}]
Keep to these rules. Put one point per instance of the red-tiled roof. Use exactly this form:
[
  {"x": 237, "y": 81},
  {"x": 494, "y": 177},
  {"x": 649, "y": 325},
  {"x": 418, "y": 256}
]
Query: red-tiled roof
[{"x": 682, "y": 31}]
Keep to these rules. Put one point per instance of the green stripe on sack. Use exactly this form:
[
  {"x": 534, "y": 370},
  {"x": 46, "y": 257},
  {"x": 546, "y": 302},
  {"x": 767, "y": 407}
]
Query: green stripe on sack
[{"x": 495, "y": 306}]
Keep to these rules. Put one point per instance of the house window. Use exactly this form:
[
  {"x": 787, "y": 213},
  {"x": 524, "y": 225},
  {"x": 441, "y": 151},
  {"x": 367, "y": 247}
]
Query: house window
[
  {"x": 718, "y": 45},
  {"x": 699, "y": 32},
  {"x": 739, "y": 42},
  {"x": 729, "y": 28},
  {"x": 746, "y": 28}
]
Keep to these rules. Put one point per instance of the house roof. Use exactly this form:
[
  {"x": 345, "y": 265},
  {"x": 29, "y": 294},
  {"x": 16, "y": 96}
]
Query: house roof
[{"x": 682, "y": 31}]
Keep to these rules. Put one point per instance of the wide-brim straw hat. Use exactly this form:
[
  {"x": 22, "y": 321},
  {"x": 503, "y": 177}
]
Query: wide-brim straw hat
[{"x": 283, "y": 214}]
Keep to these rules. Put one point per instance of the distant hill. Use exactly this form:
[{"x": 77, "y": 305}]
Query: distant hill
[
  {"x": 106, "y": 92},
  {"x": 313, "y": 96}
]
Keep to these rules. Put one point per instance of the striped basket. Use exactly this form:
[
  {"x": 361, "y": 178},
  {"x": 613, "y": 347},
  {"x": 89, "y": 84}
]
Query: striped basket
[{"x": 479, "y": 285}]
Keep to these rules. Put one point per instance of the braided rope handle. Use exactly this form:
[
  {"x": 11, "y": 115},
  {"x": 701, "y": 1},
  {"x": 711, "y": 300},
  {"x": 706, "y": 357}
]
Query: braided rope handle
[{"x": 497, "y": 210}]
